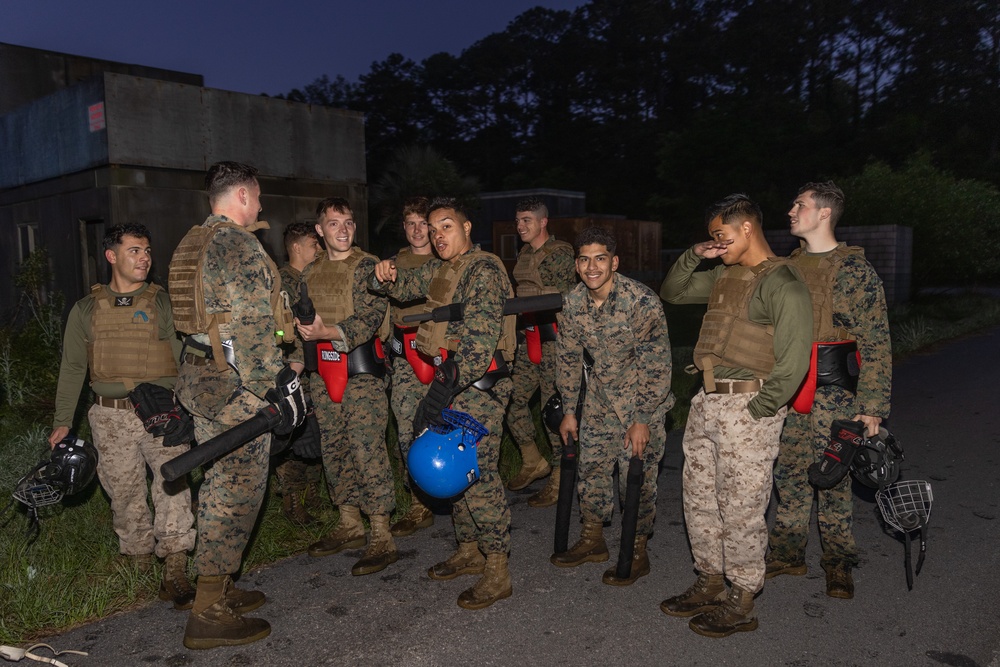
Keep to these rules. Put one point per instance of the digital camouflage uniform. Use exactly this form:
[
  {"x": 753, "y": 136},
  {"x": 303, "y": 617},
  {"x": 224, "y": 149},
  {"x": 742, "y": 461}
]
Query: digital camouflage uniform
[
  {"x": 859, "y": 308},
  {"x": 124, "y": 447},
  {"x": 293, "y": 472},
  {"x": 481, "y": 515},
  {"x": 353, "y": 431},
  {"x": 731, "y": 439},
  {"x": 557, "y": 272},
  {"x": 629, "y": 384},
  {"x": 237, "y": 278}
]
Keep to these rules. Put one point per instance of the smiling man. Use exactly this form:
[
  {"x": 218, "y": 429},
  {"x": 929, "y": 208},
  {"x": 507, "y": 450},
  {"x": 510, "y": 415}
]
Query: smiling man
[
  {"x": 544, "y": 266},
  {"x": 752, "y": 351},
  {"x": 124, "y": 333},
  {"x": 472, "y": 375},
  {"x": 850, "y": 323},
  {"x": 620, "y": 324},
  {"x": 352, "y": 411}
]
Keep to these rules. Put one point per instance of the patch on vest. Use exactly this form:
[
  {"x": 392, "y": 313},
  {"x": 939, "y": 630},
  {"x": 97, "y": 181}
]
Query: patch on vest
[
  {"x": 329, "y": 355},
  {"x": 123, "y": 301}
]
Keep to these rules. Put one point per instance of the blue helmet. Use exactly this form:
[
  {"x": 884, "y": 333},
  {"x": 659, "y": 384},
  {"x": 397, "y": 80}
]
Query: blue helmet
[{"x": 442, "y": 459}]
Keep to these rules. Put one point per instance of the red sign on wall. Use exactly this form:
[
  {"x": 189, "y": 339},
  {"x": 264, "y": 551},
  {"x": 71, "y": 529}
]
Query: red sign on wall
[{"x": 95, "y": 114}]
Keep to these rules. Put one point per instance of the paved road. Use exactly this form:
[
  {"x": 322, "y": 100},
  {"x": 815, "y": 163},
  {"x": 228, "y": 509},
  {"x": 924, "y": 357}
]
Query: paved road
[{"x": 947, "y": 415}]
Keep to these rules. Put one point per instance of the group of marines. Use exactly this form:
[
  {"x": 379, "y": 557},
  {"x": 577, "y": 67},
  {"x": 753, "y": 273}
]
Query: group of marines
[{"x": 766, "y": 317}]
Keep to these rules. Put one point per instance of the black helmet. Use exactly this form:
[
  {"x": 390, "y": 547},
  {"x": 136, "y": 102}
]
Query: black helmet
[
  {"x": 876, "y": 463},
  {"x": 552, "y": 413}
]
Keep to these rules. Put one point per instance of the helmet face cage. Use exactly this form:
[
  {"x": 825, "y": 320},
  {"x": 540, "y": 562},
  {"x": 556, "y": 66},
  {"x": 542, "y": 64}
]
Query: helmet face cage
[
  {"x": 906, "y": 506},
  {"x": 876, "y": 463}
]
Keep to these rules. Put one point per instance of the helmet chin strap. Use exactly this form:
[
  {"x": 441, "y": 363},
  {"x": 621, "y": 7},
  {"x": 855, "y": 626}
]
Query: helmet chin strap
[{"x": 906, "y": 506}]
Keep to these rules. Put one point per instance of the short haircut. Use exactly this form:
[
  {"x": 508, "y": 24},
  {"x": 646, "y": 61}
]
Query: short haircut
[
  {"x": 113, "y": 237},
  {"x": 222, "y": 176},
  {"x": 534, "y": 205},
  {"x": 297, "y": 231},
  {"x": 338, "y": 204},
  {"x": 448, "y": 202},
  {"x": 735, "y": 208},
  {"x": 599, "y": 235},
  {"x": 416, "y": 206},
  {"x": 827, "y": 195}
]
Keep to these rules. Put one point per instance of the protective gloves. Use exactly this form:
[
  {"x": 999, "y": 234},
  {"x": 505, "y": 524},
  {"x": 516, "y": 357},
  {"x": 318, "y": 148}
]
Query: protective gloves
[{"x": 846, "y": 437}]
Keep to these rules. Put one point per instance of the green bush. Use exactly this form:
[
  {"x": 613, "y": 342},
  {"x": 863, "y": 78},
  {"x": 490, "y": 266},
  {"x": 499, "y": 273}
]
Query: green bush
[{"x": 956, "y": 222}]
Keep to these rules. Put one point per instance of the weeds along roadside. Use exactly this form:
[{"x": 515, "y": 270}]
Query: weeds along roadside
[{"x": 73, "y": 574}]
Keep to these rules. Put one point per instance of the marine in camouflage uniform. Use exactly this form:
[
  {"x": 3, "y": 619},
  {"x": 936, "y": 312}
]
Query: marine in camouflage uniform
[
  {"x": 231, "y": 276},
  {"x": 544, "y": 266},
  {"x": 848, "y": 305},
  {"x": 478, "y": 279},
  {"x": 407, "y": 387},
  {"x": 124, "y": 333},
  {"x": 352, "y": 417},
  {"x": 620, "y": 323},
  {"x": 753, "y": 351},
  {"x": 298, "y": 479}
]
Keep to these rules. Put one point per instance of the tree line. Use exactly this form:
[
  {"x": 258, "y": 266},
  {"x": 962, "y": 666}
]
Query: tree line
[{"x": 657, "y": 107}]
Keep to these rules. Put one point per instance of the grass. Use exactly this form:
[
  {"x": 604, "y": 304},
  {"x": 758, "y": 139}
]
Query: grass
[{"x": 73, "y": 574}]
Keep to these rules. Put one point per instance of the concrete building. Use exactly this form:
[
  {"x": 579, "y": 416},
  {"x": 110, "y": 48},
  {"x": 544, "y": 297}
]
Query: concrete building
[{"x": 86, "y": 144}]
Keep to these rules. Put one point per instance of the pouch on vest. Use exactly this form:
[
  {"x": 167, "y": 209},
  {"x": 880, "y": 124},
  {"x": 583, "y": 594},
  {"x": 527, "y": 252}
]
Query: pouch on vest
[
  {"x": 404, "y": 344},
  {"x": 830, "y": 363}
]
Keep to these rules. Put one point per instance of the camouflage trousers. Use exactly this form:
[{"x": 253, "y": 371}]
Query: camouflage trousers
[
  {"x": 728, "y": 457},
  {"x": 232, "y": 492},
  {"x": 482, "y": 514},
  {"x": 802, "y": 443},
  {"x": 125, "y": 450},
  {"x": 353, "y": 443},
  {"x": 407, "y": 392},
  {"x": 530, "y": 379},
  {"x": 602, "y": 439}
]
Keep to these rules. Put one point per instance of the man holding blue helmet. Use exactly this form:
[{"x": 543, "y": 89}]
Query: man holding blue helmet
[{"x": 472, "y": 357}]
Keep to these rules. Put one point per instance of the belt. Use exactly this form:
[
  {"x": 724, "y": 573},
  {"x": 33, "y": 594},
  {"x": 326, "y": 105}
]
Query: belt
[
  {"x": 737, "y": 386},
  {"x": 117, "y": 403},
  {"x": 195, "y": 360}
]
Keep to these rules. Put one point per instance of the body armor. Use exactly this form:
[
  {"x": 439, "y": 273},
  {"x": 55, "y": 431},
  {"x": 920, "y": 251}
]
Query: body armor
[
  {"x": 538, "y": 328},
  {"x": 187, "y": 292},
  {"x": 432, "y": 336},
  {"x": 728, "y": 337},
  {"x": 124, "y": 343}
]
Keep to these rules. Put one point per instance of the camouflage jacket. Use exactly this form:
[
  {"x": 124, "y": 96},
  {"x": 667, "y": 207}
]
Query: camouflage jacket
[
  {"x": 627, "y": 337},
  {"x": 291, "y": 278},
  {"x": 369, "y": 310},
  {"x": 859, "y": 307},
  {"x": 237, "y": 278},
  {"x": 483, "y": 289}
]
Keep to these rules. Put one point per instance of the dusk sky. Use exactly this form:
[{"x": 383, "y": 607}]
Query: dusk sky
[{"x": 255, "y": 46}]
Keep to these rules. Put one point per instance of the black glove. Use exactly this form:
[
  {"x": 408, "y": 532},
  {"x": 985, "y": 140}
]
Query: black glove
[
  {"x": 846, "y": 437},
  {"x": 439, "y": 396},
  {"x": 289, "y": 399},
  {"x": 160, "y": 415},
  {"x": 306, "y": 440}
]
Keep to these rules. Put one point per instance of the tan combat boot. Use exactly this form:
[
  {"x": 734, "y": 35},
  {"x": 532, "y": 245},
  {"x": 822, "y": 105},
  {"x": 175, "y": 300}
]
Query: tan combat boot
[
  {"x": 533, "y": 466},
  {"x": 174, "y": 586},
  {"x": 467, "y": 560},
  {"x": 735, "y": 614},
  {"x": 590, "y": 548},
  {"x": 494, "y": 585},
  {"x": 416, "y": 518},
  {"x": 549, "y": 495},
  {"x": 640, "y": 565},
  {"x": 349, "y": 534},
  {"x": 213, "y": 623},
  {"x": 706, "y": 594},
  {"x": 381, "y": 551},
  {"x": 294, "y": 508}
]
